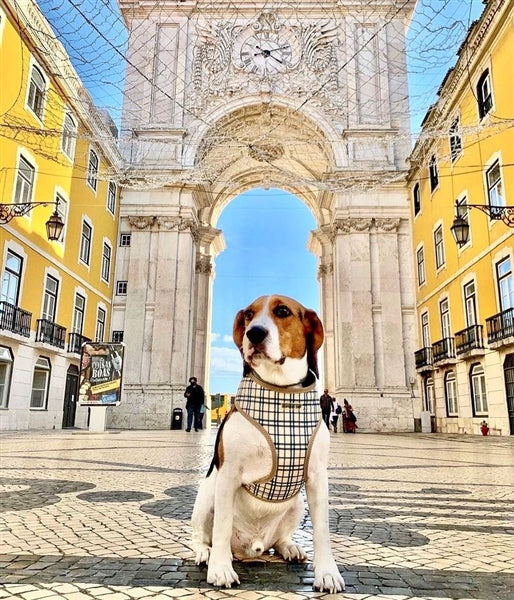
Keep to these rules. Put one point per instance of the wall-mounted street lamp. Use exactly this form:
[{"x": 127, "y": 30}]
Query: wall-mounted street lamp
[
  {"x": 54, "y": 225},
  {"x": 412, "y": 383},
  {"x": 460, "y": 226}
]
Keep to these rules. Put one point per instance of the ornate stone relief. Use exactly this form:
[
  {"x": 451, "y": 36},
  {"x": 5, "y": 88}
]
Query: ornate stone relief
[
  {"x": 142, "y": 222},
  {"x": 266, "y": 54},
  {"x": 166, "y": 223},
  {"x": 204, "y": 264},
  {"x": 359, "y": 225},
  {"x": 325, "y": 268}
]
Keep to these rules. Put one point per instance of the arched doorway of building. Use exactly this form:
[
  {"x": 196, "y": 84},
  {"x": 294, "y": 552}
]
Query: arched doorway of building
[
  {"x": 508, "y": 369},
  {"x": 70, "y": 397},
  {"x": 266, "y": 235}
]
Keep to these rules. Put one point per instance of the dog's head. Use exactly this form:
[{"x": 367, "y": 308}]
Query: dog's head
[{"x": 279, "y": 339}]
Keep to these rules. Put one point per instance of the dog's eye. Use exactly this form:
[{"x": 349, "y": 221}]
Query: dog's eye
[
  {"x": 249, "y": 315},
  {"x": 282, "y": 311}
]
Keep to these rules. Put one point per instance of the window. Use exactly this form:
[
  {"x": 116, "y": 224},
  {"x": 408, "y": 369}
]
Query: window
[
  {"x": 125, "y": 239},
  {"x": 92, "y": 169},
  {"x": 439, "y": 247},
  {"x": 100, "y": 325},
  {"x": 470, "y": 304},
  {"x": 455, "y": 140},
  {"x": 50, "y": 299},
  {"x": 24, "y": 182},
  {"x": 69, "y": 136},
  {"x": 416, "y": 198},
  {"x": 12, "y": 278},
  {"x": 505, "y": 284},
  {"x": 40, "y": 381},
  {"x": 85, "y": 243},
  {"x": 450, "y": 387},
  {"x": 434, "y": 174},
  {"x": 121, "y": 288},
  {"x": 111, "y": 198},
  {"x": 484, "y": 94},
  {"x": 429, "y": 395},
  {"x": 117, "y": 336},
  {"x": 78, "y": 314},
  {"x": 494, "y": 185},
  {"x": 106, "y": 262},
  {"x": 425, "y": 330},
  {"x": 444, "y": 312},
  {"x": 478, "y": 390},
  {"x": 6, "y": 362},
  {"x": 420, "y": 257},
  {"x": 36, "y": 97},
  {"x": 62, "y": 211}
]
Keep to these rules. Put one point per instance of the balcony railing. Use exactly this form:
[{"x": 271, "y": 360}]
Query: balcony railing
[
  {"x": 75, "y": 341},
  {"x": 469, "y": 339},
  {"x": 424, "y": 358},
  {"x": 49, "y": 332},
  {"x": 15, "y": 319},
  {"x": 500, "y": 326},
  {"x": 443, "y": 349}
]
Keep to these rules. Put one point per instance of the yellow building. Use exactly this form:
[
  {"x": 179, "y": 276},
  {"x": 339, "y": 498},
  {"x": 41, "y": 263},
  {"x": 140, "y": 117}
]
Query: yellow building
[
  {"x": 57, "y": 148},
  {"x": 465, "y": 293}
]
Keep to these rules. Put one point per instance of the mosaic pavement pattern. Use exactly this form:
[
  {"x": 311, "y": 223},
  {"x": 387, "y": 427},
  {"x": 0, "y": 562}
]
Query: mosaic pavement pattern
[{"x": 107, "y": 516}]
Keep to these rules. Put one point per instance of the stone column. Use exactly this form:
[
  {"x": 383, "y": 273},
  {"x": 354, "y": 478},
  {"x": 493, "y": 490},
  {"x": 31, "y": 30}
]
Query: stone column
[{"x": 158, "y": 321}]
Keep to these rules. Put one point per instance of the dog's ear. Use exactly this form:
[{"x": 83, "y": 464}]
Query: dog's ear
[
  {"x": 314, "y": 336},
  {"x": 238, "y": 332},
  {"x": 238, "y": 329}
]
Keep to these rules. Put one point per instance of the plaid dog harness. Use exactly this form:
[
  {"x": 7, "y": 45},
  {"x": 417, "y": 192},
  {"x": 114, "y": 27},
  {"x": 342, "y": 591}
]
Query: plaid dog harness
[{"x": 289, "y": 419}]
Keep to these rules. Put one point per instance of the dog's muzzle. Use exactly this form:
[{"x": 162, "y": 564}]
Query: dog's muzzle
[{"x": 257, "y": 334}]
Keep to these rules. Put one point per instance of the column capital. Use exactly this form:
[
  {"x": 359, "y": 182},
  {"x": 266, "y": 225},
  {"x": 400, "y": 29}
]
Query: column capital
[{"x": 204, "y": 264}]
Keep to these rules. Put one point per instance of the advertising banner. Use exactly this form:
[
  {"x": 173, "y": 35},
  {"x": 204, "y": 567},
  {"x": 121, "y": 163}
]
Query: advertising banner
[{"x": 101, "y": 367}]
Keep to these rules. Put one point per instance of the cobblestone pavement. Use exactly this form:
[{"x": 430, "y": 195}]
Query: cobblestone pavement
[{"x": 107, "y": 516}]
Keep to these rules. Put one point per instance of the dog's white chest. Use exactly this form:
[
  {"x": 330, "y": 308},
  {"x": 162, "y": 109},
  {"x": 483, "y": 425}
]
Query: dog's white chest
[{"x": 288, "y": 419}]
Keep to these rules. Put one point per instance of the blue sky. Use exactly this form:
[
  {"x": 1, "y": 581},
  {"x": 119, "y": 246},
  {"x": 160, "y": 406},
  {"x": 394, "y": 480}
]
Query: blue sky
[{"x": 266, "y": 232}]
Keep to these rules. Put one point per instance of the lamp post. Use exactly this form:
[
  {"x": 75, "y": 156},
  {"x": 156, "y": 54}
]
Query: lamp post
[
  {"x": 54, "y": 225},
  {"x": 460, "y": 225}
]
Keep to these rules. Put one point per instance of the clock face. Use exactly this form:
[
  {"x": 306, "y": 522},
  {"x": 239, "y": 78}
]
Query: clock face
[{"x": 267, "y": 53}]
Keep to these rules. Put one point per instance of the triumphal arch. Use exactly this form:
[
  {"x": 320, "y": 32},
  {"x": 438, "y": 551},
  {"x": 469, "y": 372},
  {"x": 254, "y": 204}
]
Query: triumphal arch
[{"x": 224, "y": 96}]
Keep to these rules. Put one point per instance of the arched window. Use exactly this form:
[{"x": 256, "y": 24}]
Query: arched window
[
  {"x": 478, "y": 390},
  {"x": 484, "y": 94},
  {"x": 6, "y": 362},
  {"x": 36, "y": 97},
  {"x": 40, "y": 384},
  {"x": 69, "y": 136},
  {"x": 450, "y": 389},
  {"x": 429, "y": 395}
]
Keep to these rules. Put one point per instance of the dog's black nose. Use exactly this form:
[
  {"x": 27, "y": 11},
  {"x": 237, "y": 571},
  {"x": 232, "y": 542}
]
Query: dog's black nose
[{"x": 256, "y": 334}]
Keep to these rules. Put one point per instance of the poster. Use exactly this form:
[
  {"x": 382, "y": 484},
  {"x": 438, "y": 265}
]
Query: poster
[{"x": 101, "y": 367}]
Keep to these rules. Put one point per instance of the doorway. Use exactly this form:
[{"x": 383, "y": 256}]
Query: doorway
[
  {"x": 508, "y": 370},
  {"x": 70, "y": 396}
]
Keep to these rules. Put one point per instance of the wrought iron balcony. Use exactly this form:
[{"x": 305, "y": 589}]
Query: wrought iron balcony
[
  {"x": 75, "y": 341},
  {"x": 49, "y": 332},
  {"x": 444, "y": 350},
  {"x": 424, "y": 359},
  {"x": 15, "y": 319},
  {"x": 500, "y": 327},
  {"x": 469, "y": 339}
]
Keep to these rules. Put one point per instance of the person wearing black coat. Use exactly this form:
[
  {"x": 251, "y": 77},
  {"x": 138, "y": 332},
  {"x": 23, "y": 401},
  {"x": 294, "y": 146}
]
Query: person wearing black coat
[{"x": 194, "y": 404}]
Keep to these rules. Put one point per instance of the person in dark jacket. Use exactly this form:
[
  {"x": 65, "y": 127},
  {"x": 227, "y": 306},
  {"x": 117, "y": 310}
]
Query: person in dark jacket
[
  {"x": 194, "y": 404},
  {"x": 325, "y": 403}
]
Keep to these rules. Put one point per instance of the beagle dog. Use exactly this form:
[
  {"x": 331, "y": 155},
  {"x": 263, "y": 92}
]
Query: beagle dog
[{"x": 271, "y": 443}]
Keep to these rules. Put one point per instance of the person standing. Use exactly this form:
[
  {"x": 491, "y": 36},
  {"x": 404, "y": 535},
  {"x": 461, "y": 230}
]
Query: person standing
[
  {"x": 325, "y": 403},
  {"x": 349, "y": 418},
  {"x": 334, "y": 415},
  {"x": 194, "y": 404}
]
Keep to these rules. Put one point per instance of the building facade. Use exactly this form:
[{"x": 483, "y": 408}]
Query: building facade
[
  {"x": 465, "y": 293},
  {"x": 56, "y": 148},
  {"x": 227, "y": 96}
]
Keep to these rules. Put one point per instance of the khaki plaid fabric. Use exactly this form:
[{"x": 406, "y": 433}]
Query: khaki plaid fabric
[{"x": 289, "y": 419}]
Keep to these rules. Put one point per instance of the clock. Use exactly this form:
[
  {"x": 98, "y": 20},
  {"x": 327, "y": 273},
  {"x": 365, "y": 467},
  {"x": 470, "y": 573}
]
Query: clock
[{"x": 267, "y": 52}]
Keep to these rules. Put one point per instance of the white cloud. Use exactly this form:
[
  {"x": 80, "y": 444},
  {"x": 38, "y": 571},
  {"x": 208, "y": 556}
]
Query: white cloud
[
  {"x": 215, "y": 337},
  {"x": 228, "y": 338},
  {"x": 226, "y": 360}
]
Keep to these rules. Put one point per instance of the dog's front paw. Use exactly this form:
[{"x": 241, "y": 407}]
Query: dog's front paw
[
  {"x": 328, "y": 579},
  {"x": 222, "y": 575},
  {"x": 291, "y": 552},
  {"x": 202, "y": 554}
]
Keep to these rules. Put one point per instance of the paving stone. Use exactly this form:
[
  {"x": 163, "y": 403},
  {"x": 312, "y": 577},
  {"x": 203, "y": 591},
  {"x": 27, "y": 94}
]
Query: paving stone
[{"x": 410, "y": 518}]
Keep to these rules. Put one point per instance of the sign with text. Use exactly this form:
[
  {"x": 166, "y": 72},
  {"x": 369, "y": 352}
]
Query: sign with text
[{"x": 101, "y": 368}]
